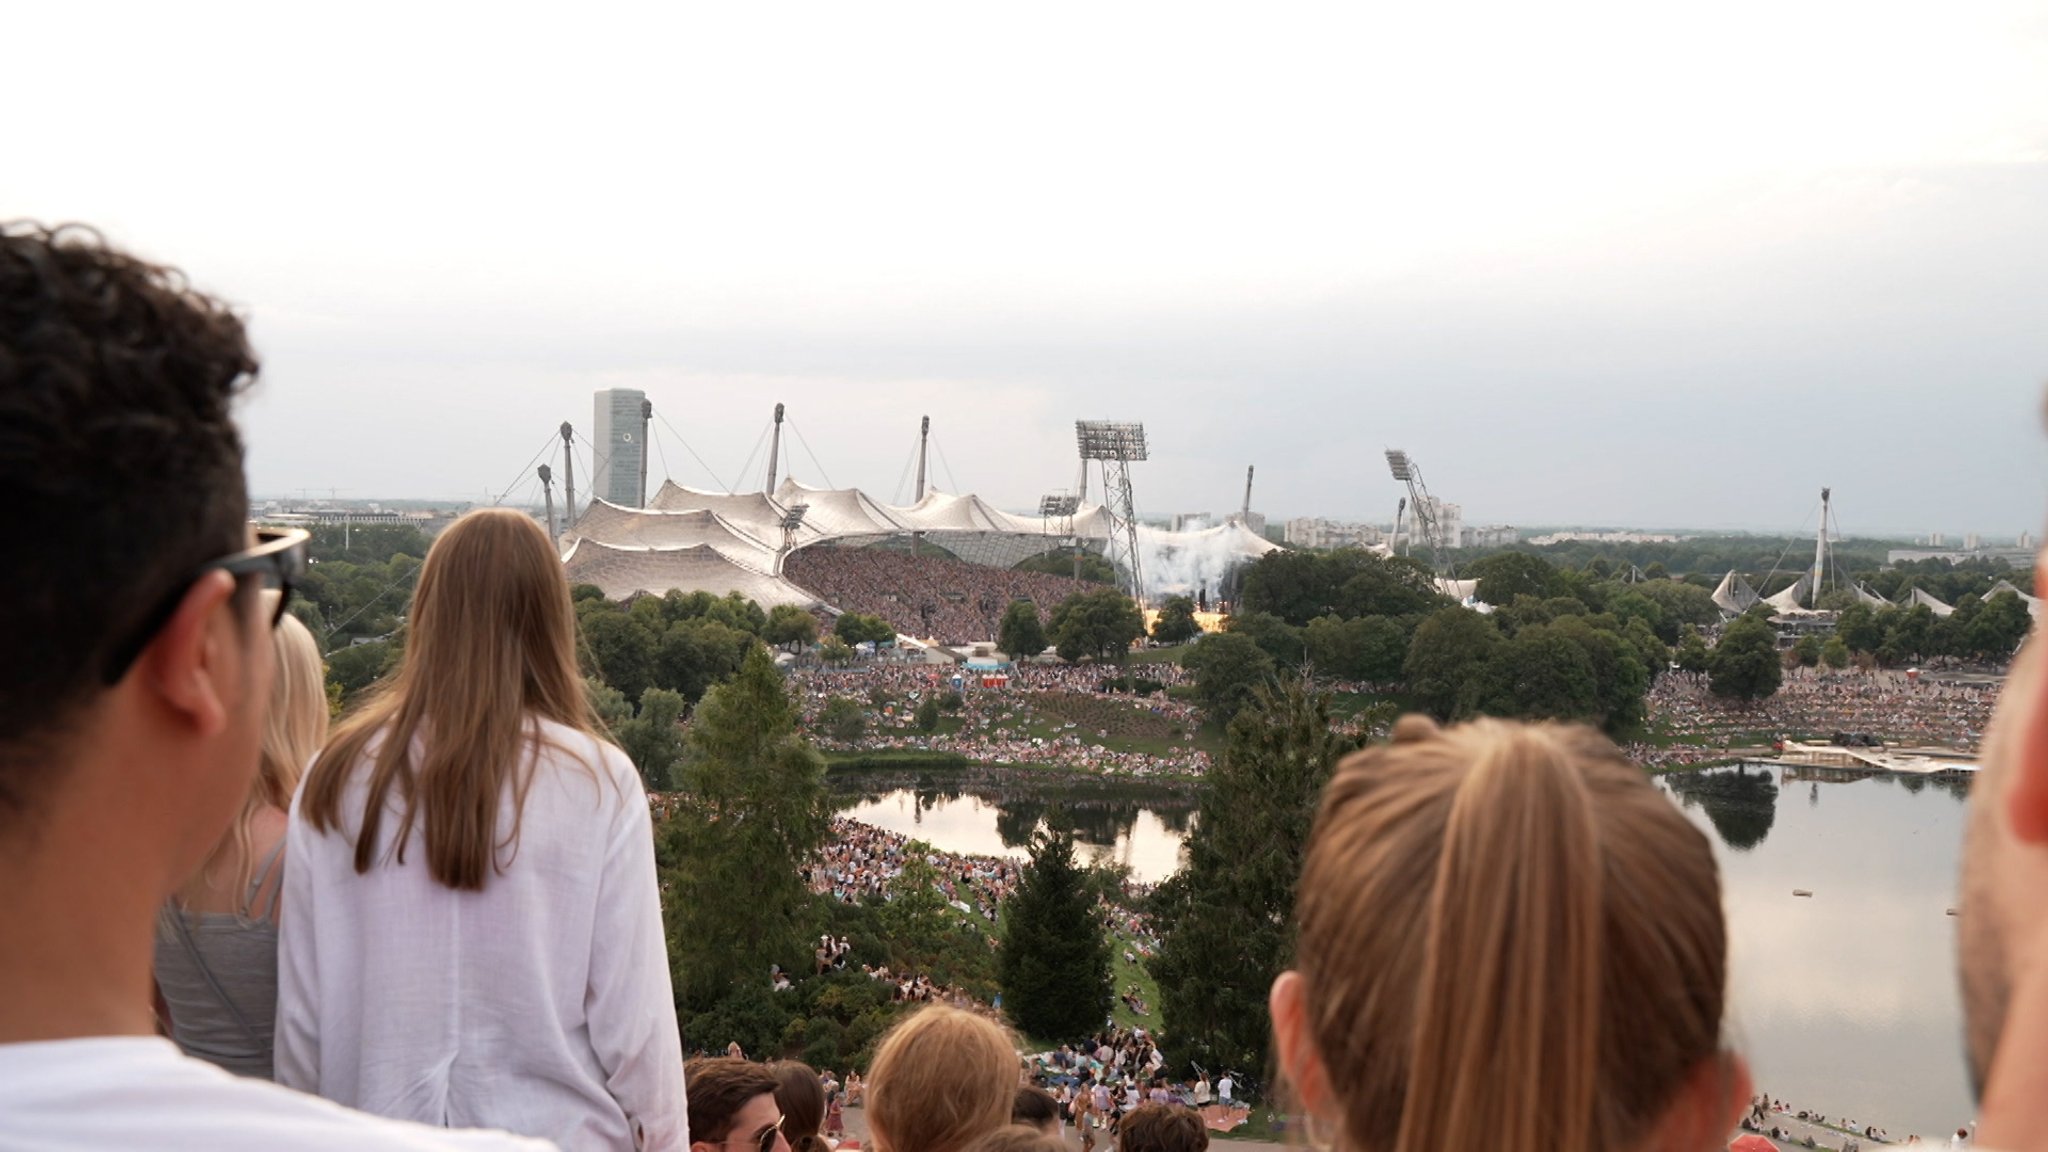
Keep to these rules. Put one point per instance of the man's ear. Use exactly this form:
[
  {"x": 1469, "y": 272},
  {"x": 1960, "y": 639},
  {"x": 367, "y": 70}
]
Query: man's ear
[
  {"x": 1292, "y": 1035},
  {"x": 187, "y": 661}
]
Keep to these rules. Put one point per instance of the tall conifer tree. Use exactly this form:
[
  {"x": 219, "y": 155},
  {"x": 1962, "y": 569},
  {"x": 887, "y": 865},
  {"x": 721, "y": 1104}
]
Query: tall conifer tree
[{"x": 1054, "y": 966}]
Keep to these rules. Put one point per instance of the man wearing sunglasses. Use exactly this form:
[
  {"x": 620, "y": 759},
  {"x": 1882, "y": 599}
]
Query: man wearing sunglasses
[
  {"x": 135, "y": 667},
  {"x": 731, "y": 1106}
]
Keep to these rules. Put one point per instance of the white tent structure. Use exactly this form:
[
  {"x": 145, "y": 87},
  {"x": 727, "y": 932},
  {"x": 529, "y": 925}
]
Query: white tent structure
[
  {"x": 2033, "y": 603},
  {"x": 1734, "y": 595},
  {"x": 1866, "y": 596},
  {"x": 1933, "y": 605},
  {"x": 722, "y": 542}
]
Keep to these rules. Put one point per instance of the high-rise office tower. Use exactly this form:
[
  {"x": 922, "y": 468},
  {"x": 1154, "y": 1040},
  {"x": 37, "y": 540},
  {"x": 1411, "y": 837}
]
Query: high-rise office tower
[{"x": 619, "y": 438}]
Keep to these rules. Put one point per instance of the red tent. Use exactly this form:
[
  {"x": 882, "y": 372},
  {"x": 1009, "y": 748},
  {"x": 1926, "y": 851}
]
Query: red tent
[{"x": 1751, "y": 1142}]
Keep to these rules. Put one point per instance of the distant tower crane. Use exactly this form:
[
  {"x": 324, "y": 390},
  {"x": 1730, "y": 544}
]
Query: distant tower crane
[{"x": 1421, "y": 506}]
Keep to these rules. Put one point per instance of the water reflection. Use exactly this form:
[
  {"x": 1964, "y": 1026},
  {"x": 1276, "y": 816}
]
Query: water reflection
[
  {"x": 1844, "y": 1000},
  {"x": 1141, "y": 828},
  {"x": 1741, "y": 802}
]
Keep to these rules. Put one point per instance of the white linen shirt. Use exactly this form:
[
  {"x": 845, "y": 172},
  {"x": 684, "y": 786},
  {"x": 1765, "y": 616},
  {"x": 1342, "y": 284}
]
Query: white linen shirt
[{"x": 540, "y": 1005}]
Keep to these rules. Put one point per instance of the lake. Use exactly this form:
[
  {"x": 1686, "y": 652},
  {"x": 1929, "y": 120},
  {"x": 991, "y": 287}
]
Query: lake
[{"x": 1844, "y": 1002}]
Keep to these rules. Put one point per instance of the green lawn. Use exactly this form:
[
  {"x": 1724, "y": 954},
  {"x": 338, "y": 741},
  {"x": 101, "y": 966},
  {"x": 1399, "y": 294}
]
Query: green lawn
[{"x": 1123, "y": 974}]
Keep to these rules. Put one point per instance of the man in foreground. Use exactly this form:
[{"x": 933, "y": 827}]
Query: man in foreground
[
  {"x": 2003, "y": 933},
  {"x": 135, "y": 667},
  {"x": 731, "y": 1106}
]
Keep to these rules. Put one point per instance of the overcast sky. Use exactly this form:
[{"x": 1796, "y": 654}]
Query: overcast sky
[{"x": 1628, "y": 264}]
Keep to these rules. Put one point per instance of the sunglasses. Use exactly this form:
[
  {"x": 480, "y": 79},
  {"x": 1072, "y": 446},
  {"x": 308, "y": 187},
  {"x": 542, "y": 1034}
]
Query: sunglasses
[
  {"x": 278, "y": 561},
  {"x": 764, "y": 1140}
]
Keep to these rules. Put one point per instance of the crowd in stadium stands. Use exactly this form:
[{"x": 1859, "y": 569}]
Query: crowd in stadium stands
[
  {"x": 929, "y": 597},
  {"x": 1815, "y": 705}
]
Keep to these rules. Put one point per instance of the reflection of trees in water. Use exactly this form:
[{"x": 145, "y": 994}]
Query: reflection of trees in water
[
  {"x": 1098, "y": 813},
  {"x": 1741, "y": 805}
]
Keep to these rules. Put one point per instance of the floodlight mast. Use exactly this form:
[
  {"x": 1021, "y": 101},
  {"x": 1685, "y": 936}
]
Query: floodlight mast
[
  {"x": 1117, "y": 445},
  {"x": 1058, "y": 510},
  {"x": 1422, "y": 508}
]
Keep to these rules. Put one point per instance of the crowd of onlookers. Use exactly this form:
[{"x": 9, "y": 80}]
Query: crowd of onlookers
[
  {"x": 1893, "y": 706},
  {"x": 934, "y": 598}
]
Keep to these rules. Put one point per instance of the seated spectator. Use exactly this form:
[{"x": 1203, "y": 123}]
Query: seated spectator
[
  {"x": 136, "y": 667},
  {"x": 732, "y": 1106},
  {"x": 1540, "y": 924},
  {"x": 216, "y": 944},
  {"x": 940, "y": 1080},
  {"x": 1164, "y": 1128},
  {"x": 800, "y": 1096},
  {"x": 1035, "y": 1107}
]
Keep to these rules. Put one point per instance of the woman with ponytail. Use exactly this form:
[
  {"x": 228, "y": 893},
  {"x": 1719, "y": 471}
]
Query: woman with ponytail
[
  {"x": 473, "y": 934},
  {"x": 1509, "y": 941}
]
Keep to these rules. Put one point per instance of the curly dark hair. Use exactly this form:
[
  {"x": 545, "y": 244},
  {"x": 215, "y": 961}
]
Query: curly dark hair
[{"x": 121, "y": 466}]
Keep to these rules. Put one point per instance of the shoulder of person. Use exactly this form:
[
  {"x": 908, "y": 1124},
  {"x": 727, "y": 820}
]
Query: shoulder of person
[{"x": 136, "y": 1092}]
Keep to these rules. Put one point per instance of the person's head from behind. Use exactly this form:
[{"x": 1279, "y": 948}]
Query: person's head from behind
[
  {"x": 1509, "y": 940},
  {"x": 490, "y": 645},
  {"x": 1163, "y": 1128},
  {"x": 940, "y": 1079},
  {"x": 1017, "y": 1138},
  {"x": 1036, "y": 1108},
  {"x": 2002, "y": 935},
  {"x": 294, "y": 727},
  {"x": 800, "y": 1096},
  {"x": 133, "y": 629},
  {"x": 731, "y": 1105}
]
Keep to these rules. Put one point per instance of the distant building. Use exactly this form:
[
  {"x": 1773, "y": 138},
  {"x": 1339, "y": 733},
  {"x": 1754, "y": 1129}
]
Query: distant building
[
  {"x": 1569, "y": 537},
  {"x": 1450, "y": 522},
  {"x": 618, "y": 429},
  {"x": 2026, "y": 540},
  {"x": 1309, "y": 532},
  {"x": 1972, "y": 542},
  {"x": 1491, "y": 536}
]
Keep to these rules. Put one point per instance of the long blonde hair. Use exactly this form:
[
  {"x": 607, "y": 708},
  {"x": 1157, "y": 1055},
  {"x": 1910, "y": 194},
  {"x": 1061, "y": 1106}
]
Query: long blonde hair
[
  {"x": 1510, "y": 940},
  {"x": 491, "y": 645},
  {"x": 294, "y": 727},
  {"x": 940, "y": 1080}
]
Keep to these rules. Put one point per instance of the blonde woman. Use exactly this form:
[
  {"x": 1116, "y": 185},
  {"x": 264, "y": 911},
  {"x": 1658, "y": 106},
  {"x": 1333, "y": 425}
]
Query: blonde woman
[
  {"x": 1509, "y": 941},
  {"x": 216, "y": 945},
  {"x": 476, "y": 936},
  {"x": 940, "y": 1080}
]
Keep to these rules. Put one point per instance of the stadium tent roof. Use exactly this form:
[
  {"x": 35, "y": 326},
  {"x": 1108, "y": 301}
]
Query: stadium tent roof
[
  {"x": 839, "y": 511},
  {"x": 2033, "y": 603},
  {"x": 623, "y": 572},
  {"x": 1734, "y": 595},
  {"x": 1866, "y": 596},
  {"x": 754, "y": 512},
  {"x": 1788, "y": 599},
  {"x": 639, "y": 528},
  {"x": 1933, "y": 605}
]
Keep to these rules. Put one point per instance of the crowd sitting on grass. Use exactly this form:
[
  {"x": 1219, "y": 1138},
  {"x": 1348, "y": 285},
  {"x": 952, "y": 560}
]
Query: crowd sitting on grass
[{"x": 1810, "y": 703}]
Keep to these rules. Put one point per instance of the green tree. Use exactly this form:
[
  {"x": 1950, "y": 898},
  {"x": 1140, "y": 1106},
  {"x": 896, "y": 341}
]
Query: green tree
[
  {"x": 1449, "y": 648},
  {"x": 1996, "y": 630},
  {"x": 843, "y": 720},
  {"x": 1020, "y": 634},
  {"x": 1745, "y": 665},
  {"x": 1224, "y": 920},
  {"x": 1692, "y": 655},
  {"x": 1505, "y": 575},
  {"x": 791, "y": 627},
  {"x": 734, "y": 852},
  {"x": 1229, "y": 669},
  {"x": 927, "y": 716},
  {"x": 1859, "y": 628},
  {"x": 836, "y": 652},
  {"x": 654, "y": 737},
  {"x": 1176, "y": 622},
  {"x": 1103, "y": 623},
  {"x": 1540, "y": 673},
  {"x": 698, "y": 652},
  {"x": 1678, "y": 605},
  {"x": 1807, "y": 650},
  {"x": 1279, "y": 639},
  {"x": 1834, "y": 653},
  {"x": 1054, "y": 965},
  {"x": 619, "y": 649},
  {"x": 1299, "y": 586},
  {"x": 856, "y": 628}
]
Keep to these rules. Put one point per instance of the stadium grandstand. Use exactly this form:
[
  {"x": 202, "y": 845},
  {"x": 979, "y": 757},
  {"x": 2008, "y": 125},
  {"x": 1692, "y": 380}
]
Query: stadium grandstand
[{"x": 941, "y": 569}]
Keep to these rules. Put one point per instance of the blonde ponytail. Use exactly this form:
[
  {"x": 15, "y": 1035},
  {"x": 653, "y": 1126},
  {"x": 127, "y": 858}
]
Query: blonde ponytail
[{"x": 1509, "y": 941}]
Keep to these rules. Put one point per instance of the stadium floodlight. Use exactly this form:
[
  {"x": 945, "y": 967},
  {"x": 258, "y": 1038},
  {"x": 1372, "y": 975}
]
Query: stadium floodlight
[
  {"x": 1111, "y": 440},
  {"x": 1058, "y": 507},
  {"x": 1397, "y": 462},
  {"x": 792, "y": 521}
]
